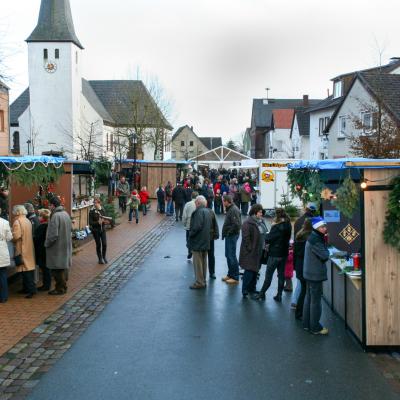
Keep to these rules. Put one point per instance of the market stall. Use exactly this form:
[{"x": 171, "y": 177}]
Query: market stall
[
  {"x": 357, "y": 199},
  {"x": 153, "y": 173}
]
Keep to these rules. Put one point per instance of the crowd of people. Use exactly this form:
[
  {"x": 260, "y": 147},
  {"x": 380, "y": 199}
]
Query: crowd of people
[
  {"x": 260, "y": 245},
  {"x": 44, "y": 240}
]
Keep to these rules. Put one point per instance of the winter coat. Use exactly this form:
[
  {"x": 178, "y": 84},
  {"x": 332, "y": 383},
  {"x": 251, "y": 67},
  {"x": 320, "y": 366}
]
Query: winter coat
[
  {"x": 188, "y": 211},
  {"x": 38, "y": 240},
  {"x": 23, "y": 239},
  {"x": 316, "y": 254},
  {"x": 278, "y": 239},
  {"x": 232, "y": 223},
  {"x": 34, "y": 221},
  {"x": 245, "y": 195},
  {"x": 200, "y": 230},
  {"x": 59, "y": 241},
  {"x": 298, "y": 254},
  {"x": 188, "y": 194},
  {"x": 123, "y": 189},
  {"x": 214, "y": 226},
  {"x": 218, "y": 199},
  {"x": 94, "y": 219},
  {"x": 135, "y": 202},
  {"x": 160, "y": 194},
  {"x": 179, "y": 195},
  {"x": 224, "y": 189},
  {"x": 144, "y": 196},
  {"x": 217, "y": 186},
  {"x": 5, "y": 236},
  {"x": 251, "y": 246}
]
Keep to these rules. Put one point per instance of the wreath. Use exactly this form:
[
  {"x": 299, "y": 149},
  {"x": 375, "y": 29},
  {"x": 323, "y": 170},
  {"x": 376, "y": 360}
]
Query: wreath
[{"x": 347, "y": 197}]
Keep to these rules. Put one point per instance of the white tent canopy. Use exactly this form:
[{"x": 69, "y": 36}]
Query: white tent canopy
[{"x": 222, "y": 155}]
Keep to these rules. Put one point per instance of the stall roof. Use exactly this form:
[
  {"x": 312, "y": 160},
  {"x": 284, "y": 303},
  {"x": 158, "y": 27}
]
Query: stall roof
[
  {"x": 32, "y": 159},
  {"x": 344, "y": 163},
  {"x": 130, "y": 160}
]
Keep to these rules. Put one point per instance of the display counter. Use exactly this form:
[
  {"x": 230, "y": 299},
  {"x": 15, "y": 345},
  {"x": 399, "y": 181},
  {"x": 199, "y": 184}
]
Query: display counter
[
  {"x": 343, "y": 292},
  {"x": 80, "y": 216}
]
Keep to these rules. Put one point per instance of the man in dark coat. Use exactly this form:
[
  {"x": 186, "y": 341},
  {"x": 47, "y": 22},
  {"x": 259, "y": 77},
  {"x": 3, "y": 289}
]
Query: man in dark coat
[
  {"x": 32, "y": 217},
  {"x": 230, "y": 232},
  {"x": 199, "y": 241},
  {"x": 214, "y": 235},
  {"x": 315, "y": 272},
  {"x": 179, "y": 198}
]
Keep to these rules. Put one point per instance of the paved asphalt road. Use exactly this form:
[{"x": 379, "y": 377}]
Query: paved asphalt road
[{"x": 159, "y": 340}]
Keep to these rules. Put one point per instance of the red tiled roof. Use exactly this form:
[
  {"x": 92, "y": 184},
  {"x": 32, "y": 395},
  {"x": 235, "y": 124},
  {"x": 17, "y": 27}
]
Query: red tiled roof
[{"x": 283, "y": 118}]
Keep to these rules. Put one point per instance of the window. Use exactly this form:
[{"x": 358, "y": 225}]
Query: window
[
  {"x": 2, "y": 123},
  {"x": 337, "y": 89},
  {"x": 57, "y": 53},
  {"x": 45, "y": 54},
  {"x": 321, "y": 126},
  {"x": 369, "y": 121},
  {"x": 182, "y": 143},
  {"x": 326, "y": 122},
  {"x": 191, "y": 144},
  {"x": 16, "y": 148},
  {"x": 342, "y": 127}
]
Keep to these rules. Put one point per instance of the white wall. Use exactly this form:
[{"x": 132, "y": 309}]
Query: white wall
[
  {"x": 280, "y": 140},
  {"x": 54, "y": 97},
  {"x": 351, "y": 108},
  {"x": 316, "y": 141},
  {"x": 301, "y": 144}
]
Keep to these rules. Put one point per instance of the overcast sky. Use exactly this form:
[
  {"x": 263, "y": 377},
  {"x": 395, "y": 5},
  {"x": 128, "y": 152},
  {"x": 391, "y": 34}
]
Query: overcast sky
[{"x": 213, "y": 57}]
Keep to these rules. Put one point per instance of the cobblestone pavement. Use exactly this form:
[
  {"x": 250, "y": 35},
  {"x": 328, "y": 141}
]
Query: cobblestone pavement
[
  {"x": 22, "y": 366},
  {"x": 19, "y": 316}
]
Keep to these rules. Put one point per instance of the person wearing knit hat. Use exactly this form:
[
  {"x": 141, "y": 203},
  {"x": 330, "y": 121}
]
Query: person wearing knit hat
[{"x": 315, "y": 272}]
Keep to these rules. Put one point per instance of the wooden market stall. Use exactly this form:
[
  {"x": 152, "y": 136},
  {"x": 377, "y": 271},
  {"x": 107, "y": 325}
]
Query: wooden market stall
[
  {"x": 368, "y": 301},
  {"x": 154, "y": 173}
]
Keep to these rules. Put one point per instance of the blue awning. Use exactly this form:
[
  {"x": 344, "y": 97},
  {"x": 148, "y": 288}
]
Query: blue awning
[
  {"x": 32, "y": 160},
  {"x": 345, "y": 163}
]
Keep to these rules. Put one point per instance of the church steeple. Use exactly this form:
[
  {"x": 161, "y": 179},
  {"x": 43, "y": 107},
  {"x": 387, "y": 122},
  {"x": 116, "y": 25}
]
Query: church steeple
[{"x": 55, "y": 23}]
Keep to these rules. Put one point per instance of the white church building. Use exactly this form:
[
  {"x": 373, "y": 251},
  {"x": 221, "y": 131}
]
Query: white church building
[{"x": 61, "y": 112}]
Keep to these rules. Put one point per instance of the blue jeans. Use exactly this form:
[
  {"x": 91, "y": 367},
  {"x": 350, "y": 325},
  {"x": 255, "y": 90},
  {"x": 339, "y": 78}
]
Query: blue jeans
[
  {"x": 161, "y": 206},
  {"x": 144, "y": 209},
  {"x": 170, "y": 207},
  {"x": 136, "y": 211},
  {"x": 249, "y": 282},
  {"x": 3, "y": 285},
  {"x": 230, "y": 254},
  {"x": 312, "y": 309}
]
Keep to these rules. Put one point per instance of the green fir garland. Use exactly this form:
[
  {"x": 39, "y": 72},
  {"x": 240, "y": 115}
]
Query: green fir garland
[
  {"x": 38, "y": 176},
  {"x": 391, "y": 230},
  {"x": 306, "y": 185}
]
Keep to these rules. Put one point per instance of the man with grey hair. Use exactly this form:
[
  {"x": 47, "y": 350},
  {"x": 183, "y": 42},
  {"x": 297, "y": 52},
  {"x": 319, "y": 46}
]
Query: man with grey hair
[
  {"x": 189, "y": 209},
  {"x": 32, "y": 217},
  {"x": 199, "y": 241}
]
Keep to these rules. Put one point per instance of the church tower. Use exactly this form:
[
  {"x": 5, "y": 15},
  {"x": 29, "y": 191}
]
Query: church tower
[{"x": 55, "y": 81}]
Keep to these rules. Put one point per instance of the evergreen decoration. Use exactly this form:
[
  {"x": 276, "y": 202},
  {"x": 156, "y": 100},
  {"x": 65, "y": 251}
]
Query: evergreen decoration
[
  {"x": 288, "y": 206},
  {"x": 102, "y": 170},
  {"x": 36, "y": 175},
  {"x": 347, "y": 197},
  {"x": 391, "y": 230},
  {"x": 306, "y": 185}
]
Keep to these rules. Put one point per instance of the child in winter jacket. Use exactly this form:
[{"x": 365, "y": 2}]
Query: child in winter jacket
[{"x": 134, "y": 206}]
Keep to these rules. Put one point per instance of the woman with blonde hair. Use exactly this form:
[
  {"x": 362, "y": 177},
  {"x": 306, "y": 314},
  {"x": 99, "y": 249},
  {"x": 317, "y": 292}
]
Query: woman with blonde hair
[
  {"x": 39, "y": 239},
  {"x": 24, "y": 250}
]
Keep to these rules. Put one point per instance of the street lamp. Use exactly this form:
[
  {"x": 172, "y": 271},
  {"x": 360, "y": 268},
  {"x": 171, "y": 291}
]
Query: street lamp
[
  {"x": 134, "y": 140},
  {"x": 29, "y": 142}
]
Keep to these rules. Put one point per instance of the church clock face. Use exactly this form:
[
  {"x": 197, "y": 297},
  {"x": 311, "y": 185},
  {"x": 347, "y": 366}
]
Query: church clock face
[{"x": 50, "y": 67}]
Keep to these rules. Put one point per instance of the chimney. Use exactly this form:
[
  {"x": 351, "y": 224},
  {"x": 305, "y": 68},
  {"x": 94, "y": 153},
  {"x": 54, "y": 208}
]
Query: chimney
[
  {"x": 305, "y": 100},
  {"x": 328, "y": 92},
  {"x": 191, "y": 128}
]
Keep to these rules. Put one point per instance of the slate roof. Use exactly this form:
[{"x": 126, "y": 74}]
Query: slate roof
[
  {"x": 262, "y": 113},
  {"x": 211, "y": 142},
  {"x": 128, "y": 103},
  {"x": 113, "y": 101},
  {"x": 55, "y": 23},
  {"x": 283, "y": 118},
  {"x": 94, "y": 101},
  {"x": 329, "y": 102},
  {"x": 385, "y": 87},
  {"x": 18, "y": 107},
  {"x": 303, "y": 121},
  {"x": 179, "y": 130}
]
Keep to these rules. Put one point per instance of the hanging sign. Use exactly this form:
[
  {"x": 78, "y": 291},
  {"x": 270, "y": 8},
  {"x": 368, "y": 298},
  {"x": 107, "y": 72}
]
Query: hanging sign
[
  {"x": 268, "y": 176},
  {"x": 332, "y": 216}
]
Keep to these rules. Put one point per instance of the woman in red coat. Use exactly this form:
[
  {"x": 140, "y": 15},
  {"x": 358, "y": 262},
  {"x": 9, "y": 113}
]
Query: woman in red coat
[{"x": 144, "y": 198}]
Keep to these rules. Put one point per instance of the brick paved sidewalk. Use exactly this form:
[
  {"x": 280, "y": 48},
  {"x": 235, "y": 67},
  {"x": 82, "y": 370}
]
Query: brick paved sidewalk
[{"x": 19, "y": 315}]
